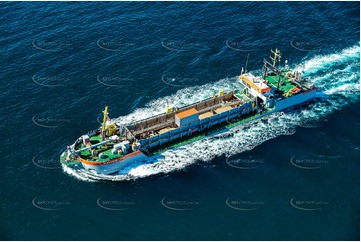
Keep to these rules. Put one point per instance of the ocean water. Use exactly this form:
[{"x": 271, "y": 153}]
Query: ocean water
[{"x": 294, "y": 176}]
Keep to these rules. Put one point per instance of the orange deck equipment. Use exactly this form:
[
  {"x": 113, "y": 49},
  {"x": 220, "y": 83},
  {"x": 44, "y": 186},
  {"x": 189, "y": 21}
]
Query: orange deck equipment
[{"x": 185, "y": 117}]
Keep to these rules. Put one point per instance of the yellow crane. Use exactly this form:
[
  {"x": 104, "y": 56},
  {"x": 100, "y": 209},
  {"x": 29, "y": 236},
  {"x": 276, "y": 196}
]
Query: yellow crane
[{"x": 105, "y": 112}]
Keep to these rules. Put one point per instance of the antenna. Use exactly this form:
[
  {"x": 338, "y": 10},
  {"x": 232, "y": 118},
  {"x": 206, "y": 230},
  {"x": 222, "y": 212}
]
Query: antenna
[
  {"x": 277, "y": 54},
  {"x": 245, "y": 69}
]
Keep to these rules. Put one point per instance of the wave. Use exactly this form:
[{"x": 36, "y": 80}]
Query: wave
[{"x": 336, "y": 75}]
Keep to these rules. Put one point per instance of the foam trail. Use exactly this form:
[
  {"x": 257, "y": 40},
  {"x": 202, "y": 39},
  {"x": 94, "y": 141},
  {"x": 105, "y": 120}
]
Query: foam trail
[{"x": 337, "y": 75}]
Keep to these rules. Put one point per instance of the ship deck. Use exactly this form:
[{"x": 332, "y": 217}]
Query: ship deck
[
  {"x": 106, "y": 150},
  {"x": 207, "y": 108},
  {"x": 285, "y": 85}
]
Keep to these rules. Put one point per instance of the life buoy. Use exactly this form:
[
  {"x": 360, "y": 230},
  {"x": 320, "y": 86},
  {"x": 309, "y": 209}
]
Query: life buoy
[{"x": 295, "y": 91}]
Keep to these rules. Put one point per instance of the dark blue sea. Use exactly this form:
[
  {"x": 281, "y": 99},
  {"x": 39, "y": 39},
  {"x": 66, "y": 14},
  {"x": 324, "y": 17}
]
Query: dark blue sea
[{"x": 293, "y": 176}]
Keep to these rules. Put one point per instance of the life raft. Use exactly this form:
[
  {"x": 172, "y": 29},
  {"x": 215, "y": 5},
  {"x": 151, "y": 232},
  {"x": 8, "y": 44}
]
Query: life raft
[{"x": 295, "y": 91}]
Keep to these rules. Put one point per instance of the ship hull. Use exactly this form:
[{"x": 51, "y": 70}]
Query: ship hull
[
  {"x": 115, "y": 166},
  {"x": 281, "y": 107},
  {"x": 295, "y": 100}
]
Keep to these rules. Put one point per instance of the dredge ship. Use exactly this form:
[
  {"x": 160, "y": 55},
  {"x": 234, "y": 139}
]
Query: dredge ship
[{"x": 114, "y": 146}]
